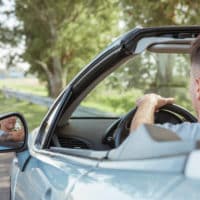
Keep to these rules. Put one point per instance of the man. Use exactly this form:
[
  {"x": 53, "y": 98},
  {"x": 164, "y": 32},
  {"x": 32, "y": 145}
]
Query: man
[
  {"x": 8, "y": 131},
  {"x": 149, "y": 103}
]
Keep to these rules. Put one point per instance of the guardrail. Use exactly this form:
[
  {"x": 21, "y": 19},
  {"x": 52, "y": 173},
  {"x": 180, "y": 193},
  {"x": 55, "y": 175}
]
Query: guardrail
[
  {"x": 81, "y": 111},
  {"x": 35, "y": 99}
]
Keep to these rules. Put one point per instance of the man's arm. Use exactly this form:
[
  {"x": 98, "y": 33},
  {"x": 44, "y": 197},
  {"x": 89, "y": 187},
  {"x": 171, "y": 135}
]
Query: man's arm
[
  {"x": 12, "y": 136},
  {"x": 146, "y": 107},
  {"x": 16, "y": 136}
]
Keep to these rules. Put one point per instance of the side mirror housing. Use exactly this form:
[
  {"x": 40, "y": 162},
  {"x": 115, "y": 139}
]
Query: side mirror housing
[{"x": 13, "y": 132}]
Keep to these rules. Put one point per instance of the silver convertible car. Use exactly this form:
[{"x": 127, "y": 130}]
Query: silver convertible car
[{"x": 83, "y": 150}]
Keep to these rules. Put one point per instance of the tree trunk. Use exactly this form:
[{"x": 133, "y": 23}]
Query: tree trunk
[
  {"x": 55, "y": 86},
  {"x": 55, "y": 81},
  {"x": 54, "y": 76},
  {"x": 164, "y": 75}
]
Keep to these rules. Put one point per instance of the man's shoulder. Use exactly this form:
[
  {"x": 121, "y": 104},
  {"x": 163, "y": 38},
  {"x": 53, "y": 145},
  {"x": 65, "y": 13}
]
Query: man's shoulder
[
  {"x": 181, "y": 125},
  {"x": 2, "y": 132},
  {"x": 185, "y": 130}
]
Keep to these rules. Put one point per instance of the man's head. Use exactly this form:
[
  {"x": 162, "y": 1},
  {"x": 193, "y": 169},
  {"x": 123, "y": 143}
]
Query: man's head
[
  {"x": 8, "y": 124},
  {"x": 195, "y": 75}
]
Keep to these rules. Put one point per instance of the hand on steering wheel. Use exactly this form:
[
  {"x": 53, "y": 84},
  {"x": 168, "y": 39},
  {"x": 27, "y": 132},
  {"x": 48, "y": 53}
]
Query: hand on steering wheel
[{"x": 168, "y": 113}]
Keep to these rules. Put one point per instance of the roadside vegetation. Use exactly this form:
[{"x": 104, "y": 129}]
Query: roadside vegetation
[
  {"x": 112, "y": 101},
  {"x": 29, "y": 85},
  {"x": 32, "y": 113},
  {"x": 106, "y": 97},
  {"x": 59, "y": 38}
]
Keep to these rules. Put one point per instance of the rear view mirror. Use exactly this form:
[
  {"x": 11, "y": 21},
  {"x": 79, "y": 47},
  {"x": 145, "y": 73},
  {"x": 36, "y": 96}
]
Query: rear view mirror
[{"x": 13, "y": 132}]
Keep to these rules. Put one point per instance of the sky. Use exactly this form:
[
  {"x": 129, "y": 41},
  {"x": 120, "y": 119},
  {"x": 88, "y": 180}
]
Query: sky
[{"x": 6, "y": 50}]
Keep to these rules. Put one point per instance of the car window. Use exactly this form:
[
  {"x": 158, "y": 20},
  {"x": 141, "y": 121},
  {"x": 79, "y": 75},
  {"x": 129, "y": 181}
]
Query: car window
[{"x": 165, "y": 74}]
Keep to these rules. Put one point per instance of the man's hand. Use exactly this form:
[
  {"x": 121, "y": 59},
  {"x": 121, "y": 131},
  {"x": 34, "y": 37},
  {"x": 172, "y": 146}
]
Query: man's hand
[
  {"x": 147, "y": 105},
  {"x": 16, "y": 136},
  {"x": 154, "y": 100}
]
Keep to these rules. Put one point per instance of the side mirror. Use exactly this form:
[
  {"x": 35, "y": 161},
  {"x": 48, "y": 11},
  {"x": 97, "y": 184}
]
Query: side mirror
[{"x": 13, "y": 132}]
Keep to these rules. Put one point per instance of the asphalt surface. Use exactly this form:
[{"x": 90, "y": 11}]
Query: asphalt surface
[{"x": 5, "y": 161}]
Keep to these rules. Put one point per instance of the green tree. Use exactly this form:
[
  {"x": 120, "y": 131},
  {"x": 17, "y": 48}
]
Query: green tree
[
  {"x": 62, "y": 36},
  {"x": 159, "y": 13},
  {"x": 10, "y": 28},
  {"x": 149, "y": 13}
]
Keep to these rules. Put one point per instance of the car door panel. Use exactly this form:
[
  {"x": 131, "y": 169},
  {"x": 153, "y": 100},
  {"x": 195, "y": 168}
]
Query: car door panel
[
  {"x": 124, "y": 184},
  {"x": 49, "y": 177}
]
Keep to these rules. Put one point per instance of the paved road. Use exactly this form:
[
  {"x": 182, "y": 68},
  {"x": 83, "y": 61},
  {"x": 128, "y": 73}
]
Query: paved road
[{"x": 5, "y": 160}]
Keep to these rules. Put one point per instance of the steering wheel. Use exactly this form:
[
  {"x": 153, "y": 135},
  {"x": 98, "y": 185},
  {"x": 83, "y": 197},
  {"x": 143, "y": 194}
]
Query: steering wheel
[{"x": 169, "y": 113}]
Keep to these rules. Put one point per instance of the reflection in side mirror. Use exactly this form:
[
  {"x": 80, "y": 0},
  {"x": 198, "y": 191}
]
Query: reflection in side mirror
[{"x": 12, "y": 132}]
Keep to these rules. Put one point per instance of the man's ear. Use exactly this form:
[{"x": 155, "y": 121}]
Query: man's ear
[{"x": 197, "y": 83}]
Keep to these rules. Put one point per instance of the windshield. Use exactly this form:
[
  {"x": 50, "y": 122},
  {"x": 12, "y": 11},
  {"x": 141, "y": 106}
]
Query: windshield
[{"x": 164, "y": 73}]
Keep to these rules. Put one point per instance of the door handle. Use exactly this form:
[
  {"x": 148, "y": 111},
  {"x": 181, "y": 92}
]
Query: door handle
[{"x": 47, "y": 195}]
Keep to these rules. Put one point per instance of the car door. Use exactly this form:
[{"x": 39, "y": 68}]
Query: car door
[
  {"x": 39, "y": 173},
  {"x": 47, "y": 175},
  {"x": 159, "y": 178}
]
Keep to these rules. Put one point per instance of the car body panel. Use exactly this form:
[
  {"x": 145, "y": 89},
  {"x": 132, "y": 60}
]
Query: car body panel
[
  {"x": 131, "y": 184},
  {"x": 47, "y": 175},
  {"x": 54, "y": 180}
]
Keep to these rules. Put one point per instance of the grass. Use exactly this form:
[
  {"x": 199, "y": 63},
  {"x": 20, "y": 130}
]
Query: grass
[
  {"x": 103, "y": 99},
  {"x": 29, "y": 85},
  {"x": 32, "y": 113},
  {"x": 113, "y": 101}
]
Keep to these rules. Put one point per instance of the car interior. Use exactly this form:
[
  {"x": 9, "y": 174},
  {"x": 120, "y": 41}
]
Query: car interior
[{"x": 96, "y": 131}]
